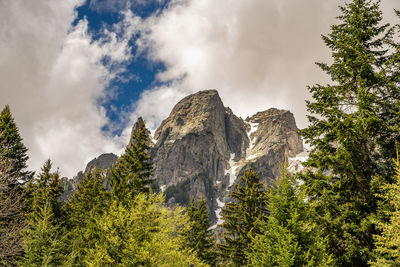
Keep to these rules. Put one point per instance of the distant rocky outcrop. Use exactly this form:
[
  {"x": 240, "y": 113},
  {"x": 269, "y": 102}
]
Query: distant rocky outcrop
[
  {"x": 104, "y": 161},
  {"x": 202, "y": 148}
]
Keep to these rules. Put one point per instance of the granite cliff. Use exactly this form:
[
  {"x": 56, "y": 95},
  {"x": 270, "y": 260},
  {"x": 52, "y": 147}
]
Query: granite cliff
[{"x": 202, "y": 148}]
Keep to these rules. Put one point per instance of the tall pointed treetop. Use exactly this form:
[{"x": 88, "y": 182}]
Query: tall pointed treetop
[
  {"x": 131, "y": 173},
  {"x": 11, "y": 146}
]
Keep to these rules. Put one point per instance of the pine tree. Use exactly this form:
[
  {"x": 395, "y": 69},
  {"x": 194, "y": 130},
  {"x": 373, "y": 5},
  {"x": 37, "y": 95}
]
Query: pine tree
[
  {"x": 198, "y": 237},
  {"x": 143, "y": 234},
  {"x": 86, "y": 204},
  {"x": 242, "y": 218},
  {"x": 387, "y": 251},
  {"x": 288, "y": 237},
  {"x": 44, "y": 242},
  {"x": 12, "y": 147},
  {"x": 350, "y": 131},
  {"x": 131, "y": 174}
]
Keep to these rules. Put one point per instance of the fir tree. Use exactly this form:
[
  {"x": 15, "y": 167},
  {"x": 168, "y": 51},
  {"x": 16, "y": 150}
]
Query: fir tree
[
  {"x": 131, "y": 174},
  {"x": 12, "y": 147},
  {"x": 387, "y": 251},
  {"x": 198, "y": 237},
  {"x": 242, "y": 218},
  {"x": 143, "y": 234},
  {"x": 288, "y": 237},
  {"x": 349, "y": 130},
  {"x": 86, "y": 204},
  {"x": 44, "y": 243}
]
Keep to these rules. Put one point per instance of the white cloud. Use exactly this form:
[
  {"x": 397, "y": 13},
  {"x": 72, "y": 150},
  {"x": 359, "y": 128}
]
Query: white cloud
[
  {"x": 52, "y": 75},
  {"x": 257, "y": 53}
]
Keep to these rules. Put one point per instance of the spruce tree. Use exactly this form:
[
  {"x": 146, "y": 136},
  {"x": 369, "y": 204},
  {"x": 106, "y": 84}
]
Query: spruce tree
[
  {"x": 198, "y": 237},
  {"x": 12, "y": 147},
  {"x": 387, "y": 243},
  {"x": 86, "y": 204},
  {"x": 131, "y": 173},
  {"x": 242, "y": 218},
  {"x": 46, "y": 188},
  {"x": 349, "y": 129},
  {"x": 45, "y": 236},
  {"x": 288, "y": 237},
  {"x": 13, "y": 175},
  {"x": 44, "y": 242}
]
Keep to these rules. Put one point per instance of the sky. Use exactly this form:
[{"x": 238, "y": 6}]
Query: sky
[{"x": 77, "y": 74}]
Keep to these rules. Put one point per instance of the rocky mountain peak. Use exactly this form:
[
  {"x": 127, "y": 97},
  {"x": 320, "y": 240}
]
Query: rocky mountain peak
[
  {"x": 104, "y": 161},
  {"x": 198, "y": 130},
  {"x": 192, "y": 115},
  {"x": 202, "y": 148},
  {"x": 272, "y": 128}
]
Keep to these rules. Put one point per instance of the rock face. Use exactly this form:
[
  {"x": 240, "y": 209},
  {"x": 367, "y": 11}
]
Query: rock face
[
  {"x": 202, "y": 147},
  {"x": 104, "y": 161},
  {"x": 194, "y": 145}
]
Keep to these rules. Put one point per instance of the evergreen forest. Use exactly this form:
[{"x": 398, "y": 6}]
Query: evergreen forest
[{"x": 343, "y": 210}]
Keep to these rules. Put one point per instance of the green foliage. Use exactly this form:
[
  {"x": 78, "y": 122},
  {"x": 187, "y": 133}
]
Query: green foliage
[
  {"x": 289, "y": 237},
  {"x": 352, "y": 126},
  {"x": 12, "y": 206},
  {"x": 46, "y": 188},
  {"x": 198, "y": 237},
  {"x": 242, "y": 218},
  {"x": 12, "y": 147},
  {"x": 44, "y": 237},
  {"x": 86, "y": 204},
  {"x": 44, "y": 242},
  {"x": 131, "y": 174},
  {"x": 387, "y": 251},
  {"x": 13, "y": 174},
  {"x": 145, "y": 233}
]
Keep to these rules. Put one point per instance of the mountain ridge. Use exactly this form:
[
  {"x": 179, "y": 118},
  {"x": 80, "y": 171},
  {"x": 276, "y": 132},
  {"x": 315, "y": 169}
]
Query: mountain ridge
[{"x": 202, "y": 147}]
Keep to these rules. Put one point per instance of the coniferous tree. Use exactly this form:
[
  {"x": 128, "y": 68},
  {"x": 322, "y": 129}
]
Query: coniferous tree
[
  {"x": 46, "y": 188},
  {"x": 131, "y": 174},
  {"x": 242, "y": 218},
  {"x": 198, "y": 237},
  {"x": 12, "y": 147},
  {"x": 13, "y": 174},
  {"x": 45, "y": 237},
  {"x": 44, "y": 242},
  {"x": 349, "y": 131},
  {"x": 288, "y": 237},
  {"x": 387, "y": 250},
  {"x": 145, "y": 233},
  {"x": 86, "y": 204},
  {"x": 12, "y": 206}
]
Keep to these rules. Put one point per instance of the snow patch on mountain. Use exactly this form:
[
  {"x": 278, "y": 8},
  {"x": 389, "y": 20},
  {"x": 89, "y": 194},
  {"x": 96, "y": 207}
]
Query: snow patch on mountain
[
  {"x": 296, "y": 163},
  {"x": 253, "y": 129},
  {"x": 233, "y": 165},
  {"x": 218, "y": 214}
]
